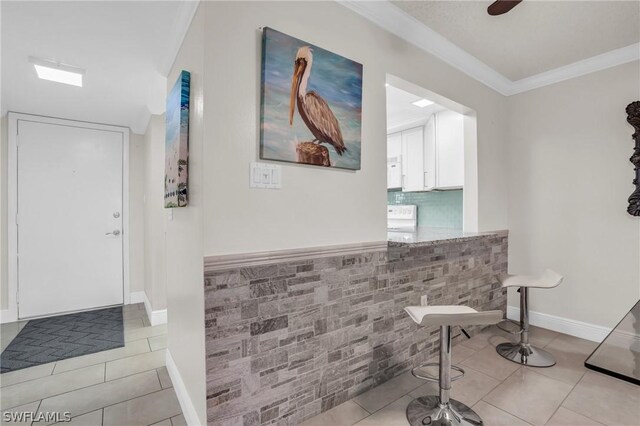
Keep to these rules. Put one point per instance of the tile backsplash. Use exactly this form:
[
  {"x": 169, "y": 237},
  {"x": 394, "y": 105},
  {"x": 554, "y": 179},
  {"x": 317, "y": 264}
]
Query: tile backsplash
[{"x": 436, "y": 209}]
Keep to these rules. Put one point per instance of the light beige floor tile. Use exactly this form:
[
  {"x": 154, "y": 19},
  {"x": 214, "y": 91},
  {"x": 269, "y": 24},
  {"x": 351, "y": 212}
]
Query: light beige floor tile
[
  {"x": 133, "y": 323},
  {"x": 378, "y": 397},
  {"x": 18, "y": 376},
  {"x": 95, "y": 397},
  {"x": 344, "y": 414},
  {"x": 144, "y": 410},
  {"x": 134, "y": 313},
  {"x": 144, "y": 333},
  {"x": 129, "y": 349},
  {"x": 14, "y": 421},
  {"x": 178, "y": 421},
  {"x": 468, "y": 390},
  {"x": 605, "y": 399},
  {"x": 492, "y": 416},
  {"x": 564, "y": 417},
  {"x": 459, "y": 353},
  {"x": 165, "y": 380},
  {"x": 394, "y": 414},
  {"x": 488, "y": 361},
  {"x": 574, "y": 344},
  {"x": 90, "y": 419},
  {"x": 490, "y": 336},
  {"x": 529, "y": 396},
  {"x": 570, "y": 354},
  {"x": 45, "y": 387},
  {"x": 165, "y": 422},
  {"x": 158, "y": 342},
  {"x": 135, "y": 364},
  {"x": 133, "y": 307},
  {"x": 540, "y": 336}
]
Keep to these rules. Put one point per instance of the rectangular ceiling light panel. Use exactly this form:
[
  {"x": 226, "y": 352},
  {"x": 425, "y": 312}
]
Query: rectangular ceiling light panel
[
  {"x": 422, "y": 103},
  {"x": 60, "y": 73}
]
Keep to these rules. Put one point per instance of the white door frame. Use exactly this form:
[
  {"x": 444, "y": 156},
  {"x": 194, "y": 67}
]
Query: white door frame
[{"x": 11, "y": 314}]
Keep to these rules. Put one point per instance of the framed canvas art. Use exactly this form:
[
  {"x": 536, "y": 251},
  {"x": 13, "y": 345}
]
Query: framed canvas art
[
  {"x": 311, "y": 104},
  {"x": 176, "y": 172}
]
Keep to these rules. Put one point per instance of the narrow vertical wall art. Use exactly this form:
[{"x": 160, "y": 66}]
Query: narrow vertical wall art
[
  {"x": 633, "y": 118},
  {"x": 176, "y": 190}
]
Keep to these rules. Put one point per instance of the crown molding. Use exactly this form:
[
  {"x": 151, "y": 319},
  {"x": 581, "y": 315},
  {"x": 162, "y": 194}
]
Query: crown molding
[
  {"x": 586, "y": 66},
  {"x": 394, "y": 20},
  {"x": 180, "y": 28}
]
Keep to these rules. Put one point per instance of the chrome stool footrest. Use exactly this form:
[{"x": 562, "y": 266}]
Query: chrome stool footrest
[
  {"x": 509, "y": 321},
  {"x": 431, "y": 378}
]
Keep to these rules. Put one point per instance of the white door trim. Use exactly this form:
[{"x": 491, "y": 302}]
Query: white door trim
[{"x": 11, "y": 313}]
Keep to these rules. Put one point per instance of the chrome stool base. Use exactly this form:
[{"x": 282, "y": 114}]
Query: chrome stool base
[
  {"x": 427, "y": 410},
  {"x": 525, "y": 354}
]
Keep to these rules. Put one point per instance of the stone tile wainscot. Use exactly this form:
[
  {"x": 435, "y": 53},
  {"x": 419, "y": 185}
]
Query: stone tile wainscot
[{"x": 291, "y": 335}]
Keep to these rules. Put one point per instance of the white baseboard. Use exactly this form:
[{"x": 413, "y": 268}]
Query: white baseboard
[
  {"x": 136, "y": 297},
  {"x": 155, "y": 317},
  {"x": 7, "y": 315},
  {"x": 583, "y": 330},
  {"x": 188, "y": 410}
]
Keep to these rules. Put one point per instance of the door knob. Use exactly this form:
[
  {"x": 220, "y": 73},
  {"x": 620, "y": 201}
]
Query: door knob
[{"x": 116, "y": 233}]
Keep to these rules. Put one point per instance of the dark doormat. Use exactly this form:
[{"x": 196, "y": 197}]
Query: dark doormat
[{"x": 65, "y": 336}]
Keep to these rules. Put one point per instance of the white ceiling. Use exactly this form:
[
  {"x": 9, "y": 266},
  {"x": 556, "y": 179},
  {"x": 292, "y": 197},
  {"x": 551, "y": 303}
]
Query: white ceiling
[
  {"x": 535, "y": 36},
  {"x": 401, "y": 111},
  {"x": 126, "y": 48}
]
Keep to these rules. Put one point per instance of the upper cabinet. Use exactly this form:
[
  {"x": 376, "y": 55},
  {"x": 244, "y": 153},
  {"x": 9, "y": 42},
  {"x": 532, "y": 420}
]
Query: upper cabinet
[
  {"x": 428, "y": 157},
  {"x": 449, "y": 150}
]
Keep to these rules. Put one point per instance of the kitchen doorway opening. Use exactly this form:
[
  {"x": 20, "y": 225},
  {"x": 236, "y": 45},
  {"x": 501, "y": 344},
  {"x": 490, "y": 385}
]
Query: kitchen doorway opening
[{"x": 432, "y": 172}]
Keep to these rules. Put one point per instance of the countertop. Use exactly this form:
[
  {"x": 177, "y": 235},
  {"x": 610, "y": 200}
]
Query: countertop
[{"x": 430, "y": 236}]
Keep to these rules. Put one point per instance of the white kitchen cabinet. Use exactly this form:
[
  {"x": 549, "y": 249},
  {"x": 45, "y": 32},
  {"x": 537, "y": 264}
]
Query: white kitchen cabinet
[
  {"x": 428, "y": 157},
  {"x": 449, "y": 150},
  {"x": 394, "y": 164},
  {"x": 413, "y": 173},
  {"x": 394, "y": 175}
]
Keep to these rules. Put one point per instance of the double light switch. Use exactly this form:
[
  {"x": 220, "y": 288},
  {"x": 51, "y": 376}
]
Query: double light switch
[{"x": 265, "y": 176}]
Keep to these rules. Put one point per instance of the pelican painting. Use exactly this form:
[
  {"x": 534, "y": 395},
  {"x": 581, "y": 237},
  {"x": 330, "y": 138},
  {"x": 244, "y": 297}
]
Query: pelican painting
[{"x": 311, "y": 104}]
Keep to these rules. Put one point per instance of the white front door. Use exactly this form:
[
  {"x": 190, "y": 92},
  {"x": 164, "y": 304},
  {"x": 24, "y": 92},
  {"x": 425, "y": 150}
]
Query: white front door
[{"x": 70, "y": 200}]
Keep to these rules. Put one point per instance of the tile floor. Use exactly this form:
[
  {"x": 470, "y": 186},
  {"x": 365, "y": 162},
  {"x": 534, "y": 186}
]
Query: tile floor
[
  {"x": 130, "y": 386},
  {"x": 504, "y": 393},
  {"x": 127, "y": 386}
]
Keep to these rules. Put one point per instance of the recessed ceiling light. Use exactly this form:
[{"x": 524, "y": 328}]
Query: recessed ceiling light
[
  {"x": 55, "y": 71},
  {"x": 422, "y": 103},
  {"x": 386, "y": 85}
]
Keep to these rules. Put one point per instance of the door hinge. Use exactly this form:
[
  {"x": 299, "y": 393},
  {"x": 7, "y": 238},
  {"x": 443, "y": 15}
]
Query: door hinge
[{"x": 17, "y": 221}]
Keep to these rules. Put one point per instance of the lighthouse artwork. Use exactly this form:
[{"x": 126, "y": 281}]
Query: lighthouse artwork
[{"x": 176, "y": 190}]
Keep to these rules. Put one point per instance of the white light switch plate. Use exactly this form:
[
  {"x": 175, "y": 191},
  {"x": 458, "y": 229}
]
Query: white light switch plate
[{"x": 264, "y": 175}]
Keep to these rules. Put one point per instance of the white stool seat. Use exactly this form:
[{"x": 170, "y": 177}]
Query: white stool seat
[
  {"x": 548, "y": 279},
  {"x": 428, "y": 316}
]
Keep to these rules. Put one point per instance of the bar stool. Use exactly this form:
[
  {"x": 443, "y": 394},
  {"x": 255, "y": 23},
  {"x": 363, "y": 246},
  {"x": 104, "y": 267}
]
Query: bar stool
[
  {"x": 440, "y": 409},
  {"x": 522, "y": 352}
]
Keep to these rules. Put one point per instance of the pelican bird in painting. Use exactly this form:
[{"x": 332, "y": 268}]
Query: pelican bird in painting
[{"x": 313, "y": 109}]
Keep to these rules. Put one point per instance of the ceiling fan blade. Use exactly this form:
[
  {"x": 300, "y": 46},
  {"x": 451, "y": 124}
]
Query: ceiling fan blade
[{"x": 500, "y": 7}]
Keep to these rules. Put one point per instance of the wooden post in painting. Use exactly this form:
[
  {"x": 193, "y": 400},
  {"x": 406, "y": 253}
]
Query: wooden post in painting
[
  {"x": 633, "y": 117},
  {"x": 312, "y": 153}
]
